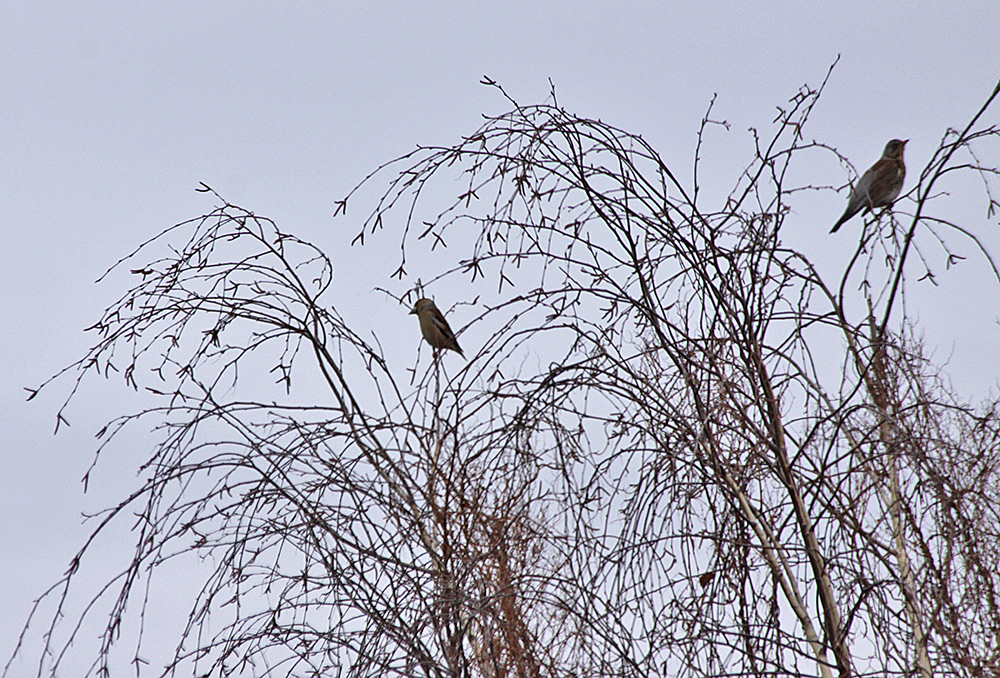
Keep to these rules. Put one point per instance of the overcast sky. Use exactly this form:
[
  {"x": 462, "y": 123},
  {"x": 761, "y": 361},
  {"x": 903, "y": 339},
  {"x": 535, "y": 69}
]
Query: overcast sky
[{"x": 112, "y": 113}]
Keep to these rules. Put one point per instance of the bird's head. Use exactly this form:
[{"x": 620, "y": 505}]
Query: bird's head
[
  {"x": 421, "y": 305},
  {"x": 894, "y": 149}
]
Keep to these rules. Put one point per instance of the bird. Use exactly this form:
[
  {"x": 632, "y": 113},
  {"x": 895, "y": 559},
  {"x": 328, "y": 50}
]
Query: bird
[
  {"x": 434, "y": 327},
  {"x": 880, "y": 185}
]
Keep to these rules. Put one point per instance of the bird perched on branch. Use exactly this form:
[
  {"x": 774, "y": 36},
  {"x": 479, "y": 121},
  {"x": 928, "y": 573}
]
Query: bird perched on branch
[
  {"x": 434, "y": 327},
  {"x": 880, "y": 185}
]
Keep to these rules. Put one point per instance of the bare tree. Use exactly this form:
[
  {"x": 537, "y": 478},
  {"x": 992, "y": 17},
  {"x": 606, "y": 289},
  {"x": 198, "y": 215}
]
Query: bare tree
[{"x": 723, "y": 463}]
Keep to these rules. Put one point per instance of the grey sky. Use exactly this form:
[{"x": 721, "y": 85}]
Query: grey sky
[{"x": 112, "y": 113}]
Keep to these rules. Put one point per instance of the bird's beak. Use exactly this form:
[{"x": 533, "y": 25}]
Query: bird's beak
[
  {"x": 906, "y": 141},
  {"x": 413, "y": 311}
]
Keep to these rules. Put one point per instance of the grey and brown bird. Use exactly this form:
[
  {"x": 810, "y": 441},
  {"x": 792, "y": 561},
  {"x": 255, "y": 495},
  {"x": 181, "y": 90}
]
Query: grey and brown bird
[
  {"x": 434, "y": 327},
  {"x": 880, "y": 185}
]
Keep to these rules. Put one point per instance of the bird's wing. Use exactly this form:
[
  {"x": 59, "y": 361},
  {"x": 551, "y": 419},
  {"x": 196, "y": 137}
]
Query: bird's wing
[
  {"x": 857, "y": 199},
  {"x": 861, "y": 194},
  {"x": 883, "y": 182},
  {"x": 441, "y": 325}
]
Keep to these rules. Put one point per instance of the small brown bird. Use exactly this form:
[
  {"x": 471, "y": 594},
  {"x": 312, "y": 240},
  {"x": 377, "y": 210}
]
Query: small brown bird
[
  {"x": 880, "y": 185},
  {"x": 434, "y": 327}
]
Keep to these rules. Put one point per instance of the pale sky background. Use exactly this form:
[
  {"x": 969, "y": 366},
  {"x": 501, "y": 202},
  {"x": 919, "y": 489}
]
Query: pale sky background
[{"x": 112, "y": 113}]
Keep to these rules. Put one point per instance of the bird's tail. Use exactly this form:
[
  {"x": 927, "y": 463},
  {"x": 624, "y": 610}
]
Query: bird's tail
[{"x": 840, "y": 222}]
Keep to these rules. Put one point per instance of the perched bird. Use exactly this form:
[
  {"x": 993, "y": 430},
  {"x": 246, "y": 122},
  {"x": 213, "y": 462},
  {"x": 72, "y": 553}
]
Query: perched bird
[
  {"x": 434, "y": 327},
  {"x": 880, "y": 185}
]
